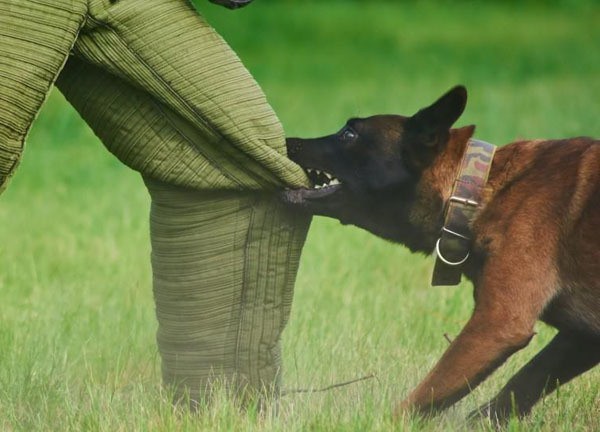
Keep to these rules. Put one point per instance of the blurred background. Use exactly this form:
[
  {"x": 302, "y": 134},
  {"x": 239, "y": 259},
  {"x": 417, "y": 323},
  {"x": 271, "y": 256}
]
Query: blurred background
[{"x": 77, "y": 321}]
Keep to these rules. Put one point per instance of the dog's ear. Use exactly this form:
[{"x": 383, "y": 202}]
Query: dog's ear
[
  {"x": 427, "y": 131},
  {"x": 439, "y": 117}
]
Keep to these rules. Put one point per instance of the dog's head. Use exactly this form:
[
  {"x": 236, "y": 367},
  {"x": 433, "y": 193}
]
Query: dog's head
[{"x": 367, "y": 173}]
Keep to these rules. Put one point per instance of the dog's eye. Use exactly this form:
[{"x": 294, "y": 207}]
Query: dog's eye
[{"x": 348, "y": 135}]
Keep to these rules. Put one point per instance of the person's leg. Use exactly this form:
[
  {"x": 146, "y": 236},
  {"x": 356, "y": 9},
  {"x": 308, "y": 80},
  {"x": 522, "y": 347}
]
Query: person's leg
[
  {"x": 35, "y": 39},
  {"x": 224, "y": 270},
  {"x": 224, "y": 256}
]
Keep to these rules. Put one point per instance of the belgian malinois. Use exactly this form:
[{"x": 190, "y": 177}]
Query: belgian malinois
[{"x": 533, "y": 240}]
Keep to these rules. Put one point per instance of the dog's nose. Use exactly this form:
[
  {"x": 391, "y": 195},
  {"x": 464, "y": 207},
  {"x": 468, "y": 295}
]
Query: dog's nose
[{"x": 293, "y": 145}]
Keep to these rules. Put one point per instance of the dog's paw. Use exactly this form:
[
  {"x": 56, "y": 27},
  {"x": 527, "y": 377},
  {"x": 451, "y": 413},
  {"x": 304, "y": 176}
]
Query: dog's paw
[{"x": 489, "y": 414}]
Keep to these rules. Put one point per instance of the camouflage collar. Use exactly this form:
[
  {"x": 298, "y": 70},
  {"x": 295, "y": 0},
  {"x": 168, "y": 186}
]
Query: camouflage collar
[{"x": 454, "y": 245}]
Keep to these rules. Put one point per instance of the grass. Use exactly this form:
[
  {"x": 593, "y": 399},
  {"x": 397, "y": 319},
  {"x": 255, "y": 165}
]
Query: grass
[{"x": 77, "y": 349}]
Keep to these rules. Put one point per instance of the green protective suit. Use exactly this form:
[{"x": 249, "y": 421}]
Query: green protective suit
[{"x": 170, "y": 99}]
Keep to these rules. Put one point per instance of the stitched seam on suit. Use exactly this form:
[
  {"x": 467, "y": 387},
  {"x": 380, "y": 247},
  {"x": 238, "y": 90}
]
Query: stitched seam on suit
[
  {"x": 270, "y": 282},
  {"x": 244, "y": 289},
  {"x": 292, "y": 236}
]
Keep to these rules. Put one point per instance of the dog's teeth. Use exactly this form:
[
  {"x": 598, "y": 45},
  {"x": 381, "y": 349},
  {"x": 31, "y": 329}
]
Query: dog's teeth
[
  {"x": 309, "y": 170},
  {"x": 329, "y": 176},
  {"x": 318, "y": 186},
  {"x": 334, "y": 182},
  {"x": 318, "y": 172}
]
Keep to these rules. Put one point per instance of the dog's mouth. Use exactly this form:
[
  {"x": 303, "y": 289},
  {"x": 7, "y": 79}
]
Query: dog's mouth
[
  {"x": 324, "y": 185},
  {"x": 321, "y": 179}
]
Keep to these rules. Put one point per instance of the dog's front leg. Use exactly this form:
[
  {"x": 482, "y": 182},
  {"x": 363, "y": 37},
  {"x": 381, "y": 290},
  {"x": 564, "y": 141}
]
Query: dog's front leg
[
  {"x": 502, "y": 323},
  {"x": 483, "y": 345}
]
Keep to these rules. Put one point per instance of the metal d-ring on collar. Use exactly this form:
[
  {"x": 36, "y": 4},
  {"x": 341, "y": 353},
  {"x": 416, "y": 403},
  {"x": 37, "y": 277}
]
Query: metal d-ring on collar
[{"x": 439, "y": 252}]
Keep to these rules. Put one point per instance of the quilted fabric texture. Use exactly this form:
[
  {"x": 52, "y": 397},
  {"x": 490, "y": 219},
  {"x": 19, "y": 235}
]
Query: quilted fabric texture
[{"x": 170, "y": 99}]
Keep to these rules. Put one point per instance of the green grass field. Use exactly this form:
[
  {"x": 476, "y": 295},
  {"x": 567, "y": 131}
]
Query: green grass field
[{"x": 77, "y": 348}]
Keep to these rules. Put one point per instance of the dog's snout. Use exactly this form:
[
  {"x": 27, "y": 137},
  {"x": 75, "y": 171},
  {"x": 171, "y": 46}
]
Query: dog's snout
[{"x": 293, "y": 146}]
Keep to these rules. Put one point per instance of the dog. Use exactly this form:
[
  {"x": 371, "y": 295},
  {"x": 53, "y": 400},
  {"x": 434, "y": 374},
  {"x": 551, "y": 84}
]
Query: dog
[{"x": 533, "y": 240}]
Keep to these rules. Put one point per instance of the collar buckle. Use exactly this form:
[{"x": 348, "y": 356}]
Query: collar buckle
[{"x": 463, "y": 201}]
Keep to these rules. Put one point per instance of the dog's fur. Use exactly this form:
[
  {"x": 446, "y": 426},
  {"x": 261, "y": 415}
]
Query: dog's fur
[{"x": 536, "y": 240}]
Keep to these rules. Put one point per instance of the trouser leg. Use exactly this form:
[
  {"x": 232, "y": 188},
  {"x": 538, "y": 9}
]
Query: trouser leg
[
  {"x": 35, "y": 39},
  {"x": 224, "y": 262},
  {"x": 200, "y": 122},
  {"x": 224, "y": 268}
]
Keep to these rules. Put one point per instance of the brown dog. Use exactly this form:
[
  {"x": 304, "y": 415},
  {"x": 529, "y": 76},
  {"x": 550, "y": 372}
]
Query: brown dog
[{"x": 533, "y": 239}]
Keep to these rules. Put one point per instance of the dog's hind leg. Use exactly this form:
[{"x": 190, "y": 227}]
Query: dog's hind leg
[{"x": 565, "y": 357}]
